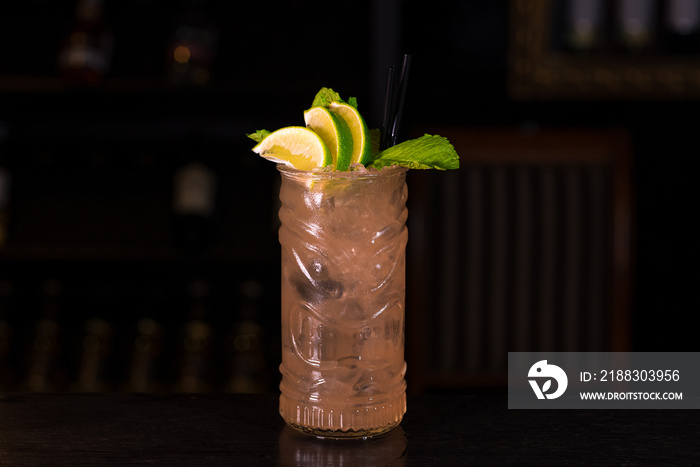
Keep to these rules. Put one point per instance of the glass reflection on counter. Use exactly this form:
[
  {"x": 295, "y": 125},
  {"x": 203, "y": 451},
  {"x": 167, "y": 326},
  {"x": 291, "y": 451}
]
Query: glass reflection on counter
[{"x": 298, "y": 449}]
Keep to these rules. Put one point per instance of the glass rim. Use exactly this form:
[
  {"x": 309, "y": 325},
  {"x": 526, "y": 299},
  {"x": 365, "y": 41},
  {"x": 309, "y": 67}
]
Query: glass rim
[{"x": 349, "y": 175}]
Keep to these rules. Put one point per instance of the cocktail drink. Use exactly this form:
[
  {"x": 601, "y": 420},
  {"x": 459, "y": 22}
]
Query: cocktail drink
[{"x": 343, "y": 237}]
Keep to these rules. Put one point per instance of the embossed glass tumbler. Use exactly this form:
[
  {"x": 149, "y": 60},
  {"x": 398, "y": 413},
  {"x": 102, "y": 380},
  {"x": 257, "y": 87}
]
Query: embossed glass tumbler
[{"x": 343, "y": 237}]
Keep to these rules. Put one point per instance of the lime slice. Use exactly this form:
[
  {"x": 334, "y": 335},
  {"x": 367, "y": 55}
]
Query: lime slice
[
  {"x": 362, "y": 141},
  {"x": 334, "y": 132},
  {"x": 295, "y": 146}
]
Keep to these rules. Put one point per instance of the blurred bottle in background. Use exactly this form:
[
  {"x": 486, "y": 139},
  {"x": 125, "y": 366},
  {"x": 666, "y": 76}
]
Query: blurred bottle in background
[
  {"x": 681, "y": 26},
  {"x": 584, "y": 24},
  {"x": 7, "y": 371},
  {"x": 86, "y": 54},
  {"x": 44, "y": 371},
  {"x": 245, "y": 345},
  {"x": 194, "y": 205},
  {"x": 192, "y": 47},
  {"x": 196, "y": 344},
  {"x": 96, "y": 345},
  {"x": 146, "y": 351},
  {"x": 636, "y": 24}
]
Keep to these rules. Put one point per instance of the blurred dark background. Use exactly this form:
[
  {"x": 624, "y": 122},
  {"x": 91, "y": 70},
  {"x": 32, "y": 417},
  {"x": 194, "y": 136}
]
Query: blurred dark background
[{"x": 138, "y": 245}]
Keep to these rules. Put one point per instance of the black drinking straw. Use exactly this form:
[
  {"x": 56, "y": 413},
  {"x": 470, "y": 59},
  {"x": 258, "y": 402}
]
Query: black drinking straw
[
  {"x": 394, "y": 103},
  {"x": 387, "y": 122},
  {"x": 403, "y": 82}
]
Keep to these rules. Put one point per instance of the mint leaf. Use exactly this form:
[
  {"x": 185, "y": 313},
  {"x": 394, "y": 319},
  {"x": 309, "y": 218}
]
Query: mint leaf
[
  {"x": 426, "y": 152},
  {"x": 325, "y": 97},
  {"x": 259, "y": 135}
]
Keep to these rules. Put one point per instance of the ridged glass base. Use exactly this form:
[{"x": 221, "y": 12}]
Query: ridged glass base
[{"x": 343, "y": 422}]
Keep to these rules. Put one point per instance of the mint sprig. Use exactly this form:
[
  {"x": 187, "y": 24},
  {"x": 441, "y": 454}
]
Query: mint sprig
[
  {"x": 425, "y": 152},
  {"x": 258, "y": 136},
  {"x": 326, "y": 96}
]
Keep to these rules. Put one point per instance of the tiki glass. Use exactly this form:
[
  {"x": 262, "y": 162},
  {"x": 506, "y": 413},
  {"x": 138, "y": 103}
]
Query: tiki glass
[{"x": 343, "y": 237}]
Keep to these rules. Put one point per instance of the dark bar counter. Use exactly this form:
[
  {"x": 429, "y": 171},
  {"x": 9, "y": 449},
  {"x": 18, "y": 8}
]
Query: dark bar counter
[{"x": 245, "y": 430}]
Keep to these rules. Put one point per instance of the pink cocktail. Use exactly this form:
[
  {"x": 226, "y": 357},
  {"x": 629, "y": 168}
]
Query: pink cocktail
[{"x": 343, "y": 237}]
